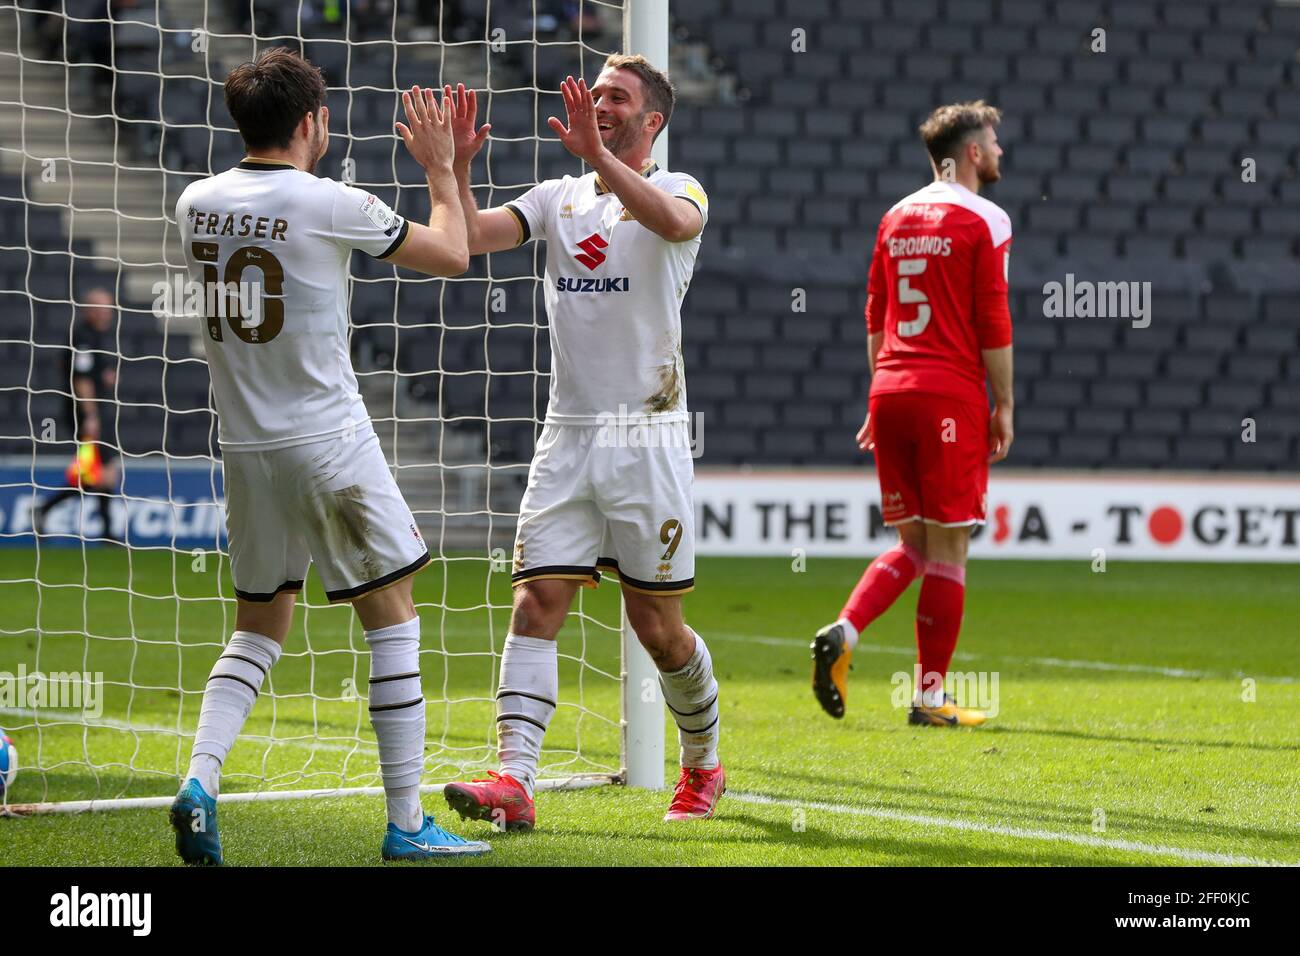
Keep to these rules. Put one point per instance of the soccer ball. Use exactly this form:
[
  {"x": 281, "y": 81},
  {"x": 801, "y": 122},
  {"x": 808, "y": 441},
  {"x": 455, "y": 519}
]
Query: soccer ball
[{"x": 8, "y": 764}]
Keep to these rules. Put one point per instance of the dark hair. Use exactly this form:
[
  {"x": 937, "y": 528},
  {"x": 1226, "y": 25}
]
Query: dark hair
[
  {"x": 657, "y": 89},
  {"x": 268, "y": 97},
  {"x": 949, "y": 127}
]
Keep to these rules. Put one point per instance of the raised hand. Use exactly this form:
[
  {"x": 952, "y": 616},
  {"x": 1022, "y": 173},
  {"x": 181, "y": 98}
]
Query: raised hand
[
  {"x": 427, "y": 131},
  {"x": 464, "y": 114},
  {"x": 582, "y": 136}
]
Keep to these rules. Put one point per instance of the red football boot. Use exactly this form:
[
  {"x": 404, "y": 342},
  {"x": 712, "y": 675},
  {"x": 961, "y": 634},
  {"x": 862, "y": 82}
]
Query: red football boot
[
  {"x": 501, "y": 800},
  {"x": 696, "y": 794}
]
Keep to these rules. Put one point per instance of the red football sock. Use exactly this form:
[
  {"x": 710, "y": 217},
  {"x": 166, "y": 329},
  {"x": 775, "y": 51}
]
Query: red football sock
[
  {"x": 938, "y": 621},
  {"x": 884, "y": 580}
]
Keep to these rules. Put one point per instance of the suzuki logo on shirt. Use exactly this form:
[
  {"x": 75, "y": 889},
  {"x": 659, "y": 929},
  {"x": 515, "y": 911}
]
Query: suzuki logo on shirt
[
  {"x": 620, "y": 284},
  {"x": 591, "y": 256}
]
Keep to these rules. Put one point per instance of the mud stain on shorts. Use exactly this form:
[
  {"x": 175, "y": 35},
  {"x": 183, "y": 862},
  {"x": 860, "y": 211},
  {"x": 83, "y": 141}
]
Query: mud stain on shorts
[{"x": 346, "y": 528}]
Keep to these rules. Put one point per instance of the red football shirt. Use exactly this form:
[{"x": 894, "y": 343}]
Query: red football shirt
[{"x": 938, "y": 290}]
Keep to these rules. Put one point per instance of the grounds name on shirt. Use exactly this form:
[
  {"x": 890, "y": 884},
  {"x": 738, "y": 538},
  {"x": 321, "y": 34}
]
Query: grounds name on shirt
[
  {"x": 920, "y": 246},
  {"x": 566, "y": 284}
]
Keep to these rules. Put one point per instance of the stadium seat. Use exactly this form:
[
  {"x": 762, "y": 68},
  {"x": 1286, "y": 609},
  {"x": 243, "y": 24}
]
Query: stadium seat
[
  {"x": 1084, "y": 451},
  {"x": 1116, "y": 163}
]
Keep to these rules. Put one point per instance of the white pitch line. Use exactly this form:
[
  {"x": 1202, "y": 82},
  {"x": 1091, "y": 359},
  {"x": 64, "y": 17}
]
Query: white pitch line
[
  {"x": 112, "y": 723},
  {"x": 863, "y": 648},
  {"x": 1023, "y": 833}
]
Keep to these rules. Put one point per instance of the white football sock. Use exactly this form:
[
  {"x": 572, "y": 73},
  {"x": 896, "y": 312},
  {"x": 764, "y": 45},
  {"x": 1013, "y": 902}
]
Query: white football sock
[
  {"x": 692, "y": 695},
  {"x": 530, "y": 687},
  {"x": 397, "y": 714},
  {"x": 929, "y": 692},
  {"x": 850, "y": 633},
  {"x": 228, "y": 698},
  {"x": 933, "y": 698}
]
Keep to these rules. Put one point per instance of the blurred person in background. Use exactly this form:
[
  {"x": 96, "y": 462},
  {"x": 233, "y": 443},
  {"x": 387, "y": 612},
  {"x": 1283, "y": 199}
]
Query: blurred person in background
[{"x": 92, "y": 371}]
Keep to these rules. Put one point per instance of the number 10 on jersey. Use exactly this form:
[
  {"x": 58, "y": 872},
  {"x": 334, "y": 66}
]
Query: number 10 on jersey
[{"x": 254, "y": 311}]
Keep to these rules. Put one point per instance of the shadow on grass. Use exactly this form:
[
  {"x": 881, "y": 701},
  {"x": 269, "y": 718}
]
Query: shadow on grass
[
  {"x": 1029, "y": 814},
  {"x": 1146, "y": 741},
  {"x": 899, "y": 850},
  {"x": 323, "y": 837}
]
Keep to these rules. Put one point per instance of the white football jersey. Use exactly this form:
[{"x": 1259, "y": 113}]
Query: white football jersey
[
  {"x": 281, "y": 371},
  {"x": 614, "y": 291}
]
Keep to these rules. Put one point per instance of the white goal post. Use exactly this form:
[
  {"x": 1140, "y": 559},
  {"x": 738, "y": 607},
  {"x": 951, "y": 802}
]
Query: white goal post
[
  {"x": 645, "y": 31},
  {"x": 103, "y": 152}
]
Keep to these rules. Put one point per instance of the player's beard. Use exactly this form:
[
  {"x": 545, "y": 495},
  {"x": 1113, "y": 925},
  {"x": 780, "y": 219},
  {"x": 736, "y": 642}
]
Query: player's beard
[
  {"x": 989, "y": 171},
  {"x": 624, "y": 138},
  {"x": 319, "y": 147}
]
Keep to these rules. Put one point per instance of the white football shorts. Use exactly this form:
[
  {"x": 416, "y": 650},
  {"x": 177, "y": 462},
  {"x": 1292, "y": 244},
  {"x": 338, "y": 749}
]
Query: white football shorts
[
  {"x": 601, "y": 498},
  {"x": 332, "y": 502}
]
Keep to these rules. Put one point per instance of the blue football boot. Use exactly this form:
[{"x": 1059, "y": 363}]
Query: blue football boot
[
  {"x": 194, "y": 818},
  {"x": 430, "y": 842}
]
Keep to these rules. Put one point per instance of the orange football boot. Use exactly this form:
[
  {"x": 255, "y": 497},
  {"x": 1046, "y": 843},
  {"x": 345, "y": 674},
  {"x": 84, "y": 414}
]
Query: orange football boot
[
  {"x": 831, "y": 658},
  {"x": 949, "y": 715}
]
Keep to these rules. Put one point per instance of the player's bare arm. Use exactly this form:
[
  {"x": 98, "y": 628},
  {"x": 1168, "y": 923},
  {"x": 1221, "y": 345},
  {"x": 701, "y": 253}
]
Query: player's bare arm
[
  {"x": 669, "y": 217},
  {"x": 874, "y": 341},
  {"x": 440, "y": 248},
  {"x": 1001, "y": 431},
  {"x": 488, "y": 230}
]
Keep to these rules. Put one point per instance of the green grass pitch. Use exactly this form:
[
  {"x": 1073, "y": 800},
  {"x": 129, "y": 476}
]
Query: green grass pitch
[{"x": 1146, "y": 715}]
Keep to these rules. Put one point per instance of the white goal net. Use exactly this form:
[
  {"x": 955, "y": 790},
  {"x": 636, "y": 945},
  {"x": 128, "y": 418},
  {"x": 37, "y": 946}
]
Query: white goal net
[{"x": 117, "y": 596}]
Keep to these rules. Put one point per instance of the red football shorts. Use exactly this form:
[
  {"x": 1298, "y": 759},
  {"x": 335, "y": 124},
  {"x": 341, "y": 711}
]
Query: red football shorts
[{"x": 932, "y": 458}]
